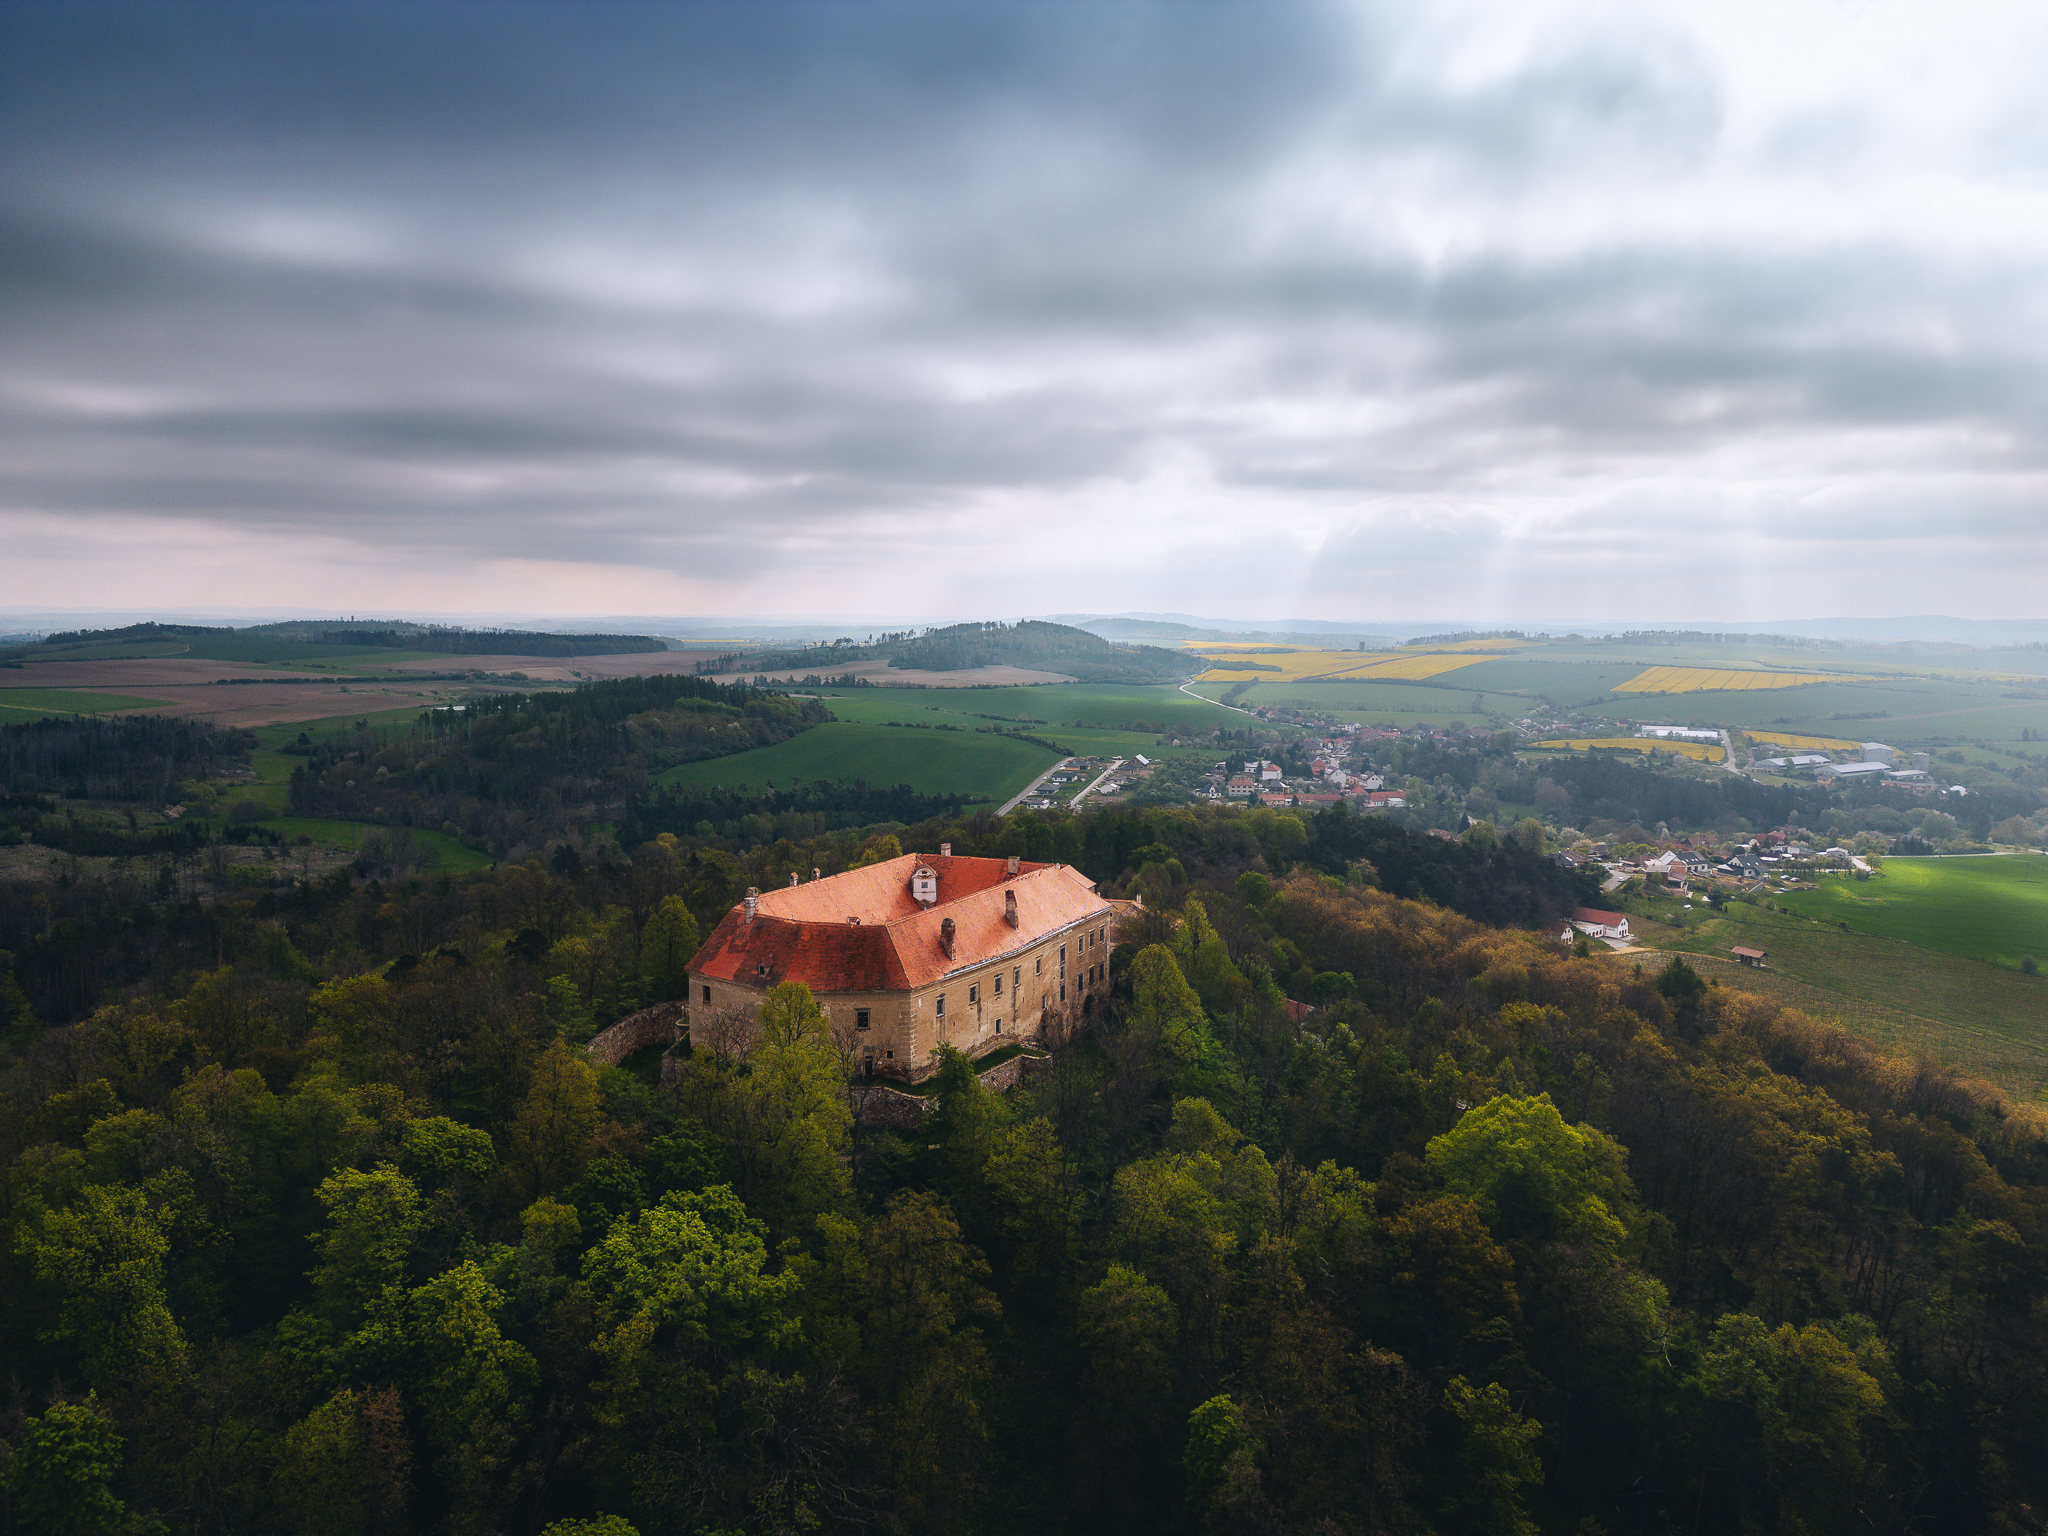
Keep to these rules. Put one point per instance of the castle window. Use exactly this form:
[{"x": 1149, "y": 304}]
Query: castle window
[
  {"x": 1038, "y": 965},
  {"x": 942, "y": 1005},
  {"x": 999, "y": 983},
  {"x": 707, "y": 994},
  {"x": 973, "y": 995},
  {"x": 860, "y": 1018}
]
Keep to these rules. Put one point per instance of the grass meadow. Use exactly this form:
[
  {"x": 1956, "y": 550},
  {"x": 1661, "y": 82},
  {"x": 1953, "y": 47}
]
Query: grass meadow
[
  {"x": 1986, "y": 907},
  {"x": 985, "y": 767},
  {"x": 1386, "y": 703},
  {"x": 18, "y": 705},
  {"x": 449, "y": 854},
  {"x": 1976, "y": 1016}
]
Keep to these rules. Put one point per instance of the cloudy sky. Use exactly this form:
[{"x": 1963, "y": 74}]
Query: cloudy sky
[{"x": 971, "y": 309}]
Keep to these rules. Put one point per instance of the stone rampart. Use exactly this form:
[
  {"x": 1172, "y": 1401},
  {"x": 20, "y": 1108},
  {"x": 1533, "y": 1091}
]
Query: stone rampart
[
  {"x": 663, "y": 1024},
  {"x": 1006, "y": 1075},
  {"x": 874, "y": 1104}
]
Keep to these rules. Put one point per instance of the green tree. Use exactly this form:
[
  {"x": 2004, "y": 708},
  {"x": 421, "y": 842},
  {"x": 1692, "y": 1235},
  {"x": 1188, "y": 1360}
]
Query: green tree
[
  {"x": 790, "y": 1016},
  {"x": 1497, "y": 1455},
  {"x": 1033, "y": 1210},
  {"x": 435, "y": 1151},
  {"x": 1533, "y": 1176},
  {"x": 1221, "y": 1463},
  {"x": 61, "y": 1480},
  {"x": 342, "y": 1470},
  {"x": 373, "y": 1220},
  {"x": 1164, "y": 1008},
  {"x": 667, "y": 943},
  {"x": 1799, "y": 1403},
  {"x": 1448, "y": 1272},
  {"x": 927, "y": 1296},
  {"x": 785, "y": 1117},
  {"x": 549, "y": 1139},
  {"x": 101, "y": 1261},
  {"x": 468, "y": 1383}
]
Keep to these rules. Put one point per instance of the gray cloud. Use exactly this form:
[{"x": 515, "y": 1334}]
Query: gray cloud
[{"x": 1177, "y": 307}]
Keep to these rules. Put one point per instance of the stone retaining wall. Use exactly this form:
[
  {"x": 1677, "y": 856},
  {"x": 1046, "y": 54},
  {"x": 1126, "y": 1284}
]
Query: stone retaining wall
[
  {"x": 663, "y": 1024},
  {"x": 1007, "y": 1075},
  {"x": 874, "y": 1104}
]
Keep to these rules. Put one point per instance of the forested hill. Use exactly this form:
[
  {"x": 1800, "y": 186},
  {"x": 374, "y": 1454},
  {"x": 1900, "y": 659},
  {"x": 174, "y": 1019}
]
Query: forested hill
[
  {"x": 512, "y": 768},
  {"x": 394, "y": 635},
  {"x": 324, "y": 1222},
  {"x": 1033, "y": 643}
]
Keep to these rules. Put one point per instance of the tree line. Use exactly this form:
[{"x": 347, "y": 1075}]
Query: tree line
[{"x": 1352, "y": 1213}]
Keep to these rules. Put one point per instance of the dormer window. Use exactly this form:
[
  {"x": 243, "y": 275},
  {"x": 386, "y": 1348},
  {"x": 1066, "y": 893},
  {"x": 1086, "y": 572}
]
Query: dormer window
[{"x": 924, "y": 885}]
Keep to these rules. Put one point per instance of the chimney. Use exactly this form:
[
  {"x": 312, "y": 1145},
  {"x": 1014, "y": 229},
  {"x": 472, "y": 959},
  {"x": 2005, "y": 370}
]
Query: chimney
[
  {"x": 1013, "y": 863},
  {"x": 1010, "y": 908},
  {"x": 815, "y": 872},
  {"x": 753, "y": 900},
  {"x": 945, "y": 850},
  {"x": 946, "y": 937},
  {"x": 1141, "y": 901}
]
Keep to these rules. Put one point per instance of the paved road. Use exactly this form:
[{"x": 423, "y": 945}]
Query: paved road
[
  {"x": 1728, "y": 755},
  {"x": 1015, "y": 800},
  {"x": 1112, "y": 768},
  {"x": 1185, "y": 688}
]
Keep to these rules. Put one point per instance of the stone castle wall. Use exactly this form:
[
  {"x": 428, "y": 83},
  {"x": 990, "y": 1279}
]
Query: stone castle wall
[{"x": 663, "y": 1024}]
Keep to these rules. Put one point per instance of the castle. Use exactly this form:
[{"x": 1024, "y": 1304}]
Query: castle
[{"x": 916, "y": 952}]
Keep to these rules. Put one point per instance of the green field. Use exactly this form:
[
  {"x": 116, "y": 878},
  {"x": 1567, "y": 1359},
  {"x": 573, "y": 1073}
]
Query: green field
[
  {"x": 990, "y": 768},
  {"x": 1403, "y": 704},
  {"x": 1566, "y": 684},
  {"x": 1097, "y": 706},
  {"x": 451, "y": 855},
  {"x": 1980, "y": 1018},
  {"x": 1991, "y": 907},
  {"x": 1091, "y": 719},
  {"x": 21, "y": 704}
]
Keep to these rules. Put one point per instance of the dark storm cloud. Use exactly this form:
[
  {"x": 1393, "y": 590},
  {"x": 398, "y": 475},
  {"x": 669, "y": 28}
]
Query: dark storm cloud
[{"x": 669, "y": 286}]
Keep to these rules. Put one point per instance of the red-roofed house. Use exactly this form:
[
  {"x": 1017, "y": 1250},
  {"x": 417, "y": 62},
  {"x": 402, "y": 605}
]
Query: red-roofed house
[
  {"x": 916, "y": 952},
  {"x": 1601, "y": 925}
]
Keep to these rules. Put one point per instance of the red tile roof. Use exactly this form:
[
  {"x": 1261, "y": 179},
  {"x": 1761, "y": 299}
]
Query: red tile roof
[
  {"x": 1595, "y": 915},
  {"x": 806, "y": 933}
]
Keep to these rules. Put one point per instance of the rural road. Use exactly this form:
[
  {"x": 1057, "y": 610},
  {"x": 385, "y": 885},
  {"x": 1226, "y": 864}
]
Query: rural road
[
  {"x": 1012, "y": 803},
  {"x": 1184, "y": 687},
  {"x": 1112, "y": 768}
]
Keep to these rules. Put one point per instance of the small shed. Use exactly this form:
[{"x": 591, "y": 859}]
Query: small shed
[{"x": 1753, "y": 957}]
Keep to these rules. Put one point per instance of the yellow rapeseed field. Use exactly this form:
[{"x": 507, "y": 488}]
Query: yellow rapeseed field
[
  {"x": 1804, "y": 743},
  {"x": 1279, "y": 665},
  {"x": 1699, "y": 752},
  {"x": 1714, "y": 680},
  {"x": 1473, "y": 645}
]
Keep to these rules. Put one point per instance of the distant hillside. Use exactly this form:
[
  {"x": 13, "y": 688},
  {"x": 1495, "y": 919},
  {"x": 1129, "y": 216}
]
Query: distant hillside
[
  {"x": 396, "y": 635},
  {"x": 1173, "y": 633},
  {"x": 960, "y": 647}
]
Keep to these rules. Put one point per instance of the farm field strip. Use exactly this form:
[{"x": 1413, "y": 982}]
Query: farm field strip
[
  {"x": 1804, "y": 743},
  {"x": 1698, "y": 751},
  {"x": 73, "y": 701},
  {"x": 450, "y": 853},
  {"x": 985, "y": 767},
  {"x": 1991, "y": 907},
  {"x": 1979, "y": 1017},
  {"x": 1717, "y": 680},
  {"x": 2013, "y": 1060},
  {"x": 1473, "y": 645},
  {"x": 1306, "y": 665}
]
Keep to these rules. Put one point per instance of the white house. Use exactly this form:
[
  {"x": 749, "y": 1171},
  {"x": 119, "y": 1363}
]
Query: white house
[{"x": 1601, "y": 925}]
